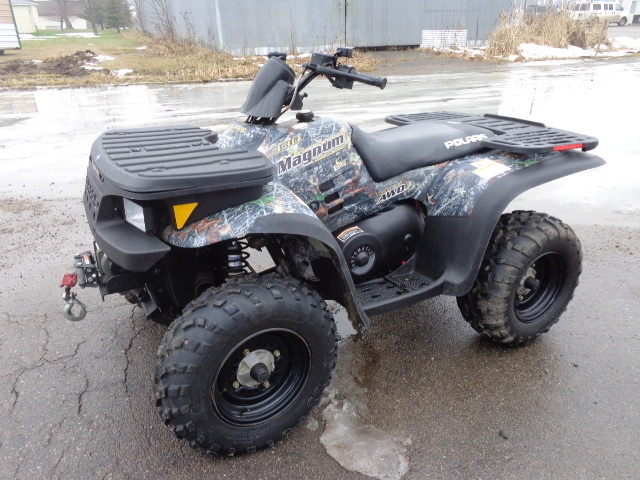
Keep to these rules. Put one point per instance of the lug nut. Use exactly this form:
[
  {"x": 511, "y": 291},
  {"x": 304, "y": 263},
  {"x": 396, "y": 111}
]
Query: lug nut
[
  {"x": 246, "y": 352},
  {"x": 266, "y": 384},
  {"x": 276, "y": 353},
  {"x": 236, "y": 385}
]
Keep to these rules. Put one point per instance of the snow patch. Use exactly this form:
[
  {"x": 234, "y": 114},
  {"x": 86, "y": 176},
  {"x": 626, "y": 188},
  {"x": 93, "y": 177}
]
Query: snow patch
[
  {"x": 359, "y": 447},
  {"x": 621, "y": 46},
  {"x": 626, "y": 43},
  {"x": 531, "y": 51},
  {"x": 143, "y": 47},
  {"x": 123, "y": 72},
  {"x": 77, "y": 35},
  {"x": 102, "y": 58},
  {"x": 356, "y": 445}
]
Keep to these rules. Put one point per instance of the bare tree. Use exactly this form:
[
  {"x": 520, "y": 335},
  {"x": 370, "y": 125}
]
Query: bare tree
[
  {"x": 61, "y": 7},
  {"x": 140, "y": 15},
  {"x": 93, "y": 13},
  {"x": 164, "y": 21}
]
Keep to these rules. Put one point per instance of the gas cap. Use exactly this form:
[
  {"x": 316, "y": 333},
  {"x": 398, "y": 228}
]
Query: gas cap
[{"x": 304, "y": 116}]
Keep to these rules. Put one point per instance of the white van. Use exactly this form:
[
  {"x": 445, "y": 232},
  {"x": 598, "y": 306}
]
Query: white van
[{"x": 613, "y": 12}]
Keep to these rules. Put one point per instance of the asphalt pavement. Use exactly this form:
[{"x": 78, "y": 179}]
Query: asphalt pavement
[{"x": 76, "y": 399}]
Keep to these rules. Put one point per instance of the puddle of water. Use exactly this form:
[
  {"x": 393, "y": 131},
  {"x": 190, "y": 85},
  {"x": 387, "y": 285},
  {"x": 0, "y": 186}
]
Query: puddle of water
[
  {"x": 591, "y": 101},
  {"x": 46, "y": 134}
]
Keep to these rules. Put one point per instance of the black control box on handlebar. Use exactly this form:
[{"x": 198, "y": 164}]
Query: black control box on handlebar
[
  {"x": 322, "y": 60},
  {"x": 346, "y": 52}
]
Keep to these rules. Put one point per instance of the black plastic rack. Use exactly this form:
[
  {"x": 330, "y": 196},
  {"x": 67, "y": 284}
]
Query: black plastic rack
[{"x": 512, "y": 134}]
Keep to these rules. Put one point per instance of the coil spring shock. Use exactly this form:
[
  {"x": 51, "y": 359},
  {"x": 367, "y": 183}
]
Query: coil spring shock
[{"x": 237, "y": 263}]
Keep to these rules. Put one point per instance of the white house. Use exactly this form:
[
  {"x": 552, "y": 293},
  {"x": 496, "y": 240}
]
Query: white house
[{"x": 26, "y": 15}]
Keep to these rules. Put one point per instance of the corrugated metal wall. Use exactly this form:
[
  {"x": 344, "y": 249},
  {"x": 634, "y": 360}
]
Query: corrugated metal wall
[{"x": 259, "y": 26}]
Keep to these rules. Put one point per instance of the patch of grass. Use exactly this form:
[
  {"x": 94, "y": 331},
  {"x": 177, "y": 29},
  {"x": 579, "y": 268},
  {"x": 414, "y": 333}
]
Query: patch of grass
[
  {"x": 553, "y": 30},
  {"x": 160, "y": 62},
  {"x": 109, "y": 42}
]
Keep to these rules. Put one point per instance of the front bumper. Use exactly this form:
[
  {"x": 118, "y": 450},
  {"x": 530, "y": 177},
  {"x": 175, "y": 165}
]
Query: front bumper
[{"x": 125, "y": 245}]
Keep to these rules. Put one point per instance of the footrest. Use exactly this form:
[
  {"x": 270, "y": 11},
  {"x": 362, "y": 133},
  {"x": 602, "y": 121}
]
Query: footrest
[
  {"x": 389, "y": 288},
  {"x": 512, "y": 134}
]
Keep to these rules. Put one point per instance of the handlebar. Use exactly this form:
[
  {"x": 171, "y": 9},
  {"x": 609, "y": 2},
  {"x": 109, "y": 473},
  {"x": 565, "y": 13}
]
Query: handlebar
[{"x": 379, "y": 82}]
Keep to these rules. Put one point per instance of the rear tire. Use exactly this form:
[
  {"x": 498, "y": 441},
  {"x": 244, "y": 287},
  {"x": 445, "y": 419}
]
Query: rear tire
[
  {"x": 245, "y": 363},
  {"x": 622, "y": 22},
  {"x": 526, "y": 280}
]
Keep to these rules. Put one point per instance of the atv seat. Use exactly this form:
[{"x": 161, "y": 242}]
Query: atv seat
[{"x": 390, "y": 152}]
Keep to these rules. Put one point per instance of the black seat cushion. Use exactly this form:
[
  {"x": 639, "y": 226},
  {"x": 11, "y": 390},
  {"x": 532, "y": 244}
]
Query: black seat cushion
[{"x": 388, "y": 153}]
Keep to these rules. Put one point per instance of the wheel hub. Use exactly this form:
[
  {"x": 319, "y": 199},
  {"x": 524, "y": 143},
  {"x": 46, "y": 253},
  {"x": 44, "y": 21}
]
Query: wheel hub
[
  {"x": 540, "y": 286},
  {"x": 255, "y": 368},
  {"x": 528, "y": 283}
]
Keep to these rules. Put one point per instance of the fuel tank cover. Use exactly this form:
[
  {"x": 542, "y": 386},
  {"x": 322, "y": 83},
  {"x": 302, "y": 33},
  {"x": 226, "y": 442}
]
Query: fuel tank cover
[{"x": 305, "y": 116}]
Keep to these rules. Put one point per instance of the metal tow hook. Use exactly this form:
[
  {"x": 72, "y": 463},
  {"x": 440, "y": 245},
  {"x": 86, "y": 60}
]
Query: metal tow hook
[
  {"x": 68, "y": 281},
  {"x": 72, "y": 301}
]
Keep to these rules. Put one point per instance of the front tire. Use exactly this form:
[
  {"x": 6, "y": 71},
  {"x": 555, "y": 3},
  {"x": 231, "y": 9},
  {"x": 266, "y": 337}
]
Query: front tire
[
  {"x": 622, "y": 22},
  {"x": 245, "y": 363},
  {"x": 526, "y": 280}
]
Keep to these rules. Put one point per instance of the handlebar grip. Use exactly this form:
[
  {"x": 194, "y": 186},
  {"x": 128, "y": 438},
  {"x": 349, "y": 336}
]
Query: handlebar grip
[{"x": 379, "y": 82}]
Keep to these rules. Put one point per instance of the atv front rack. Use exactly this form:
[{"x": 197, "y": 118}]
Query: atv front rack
[
  {"x": 163, "y": 161},
  {"x": 512, "y": 134}
]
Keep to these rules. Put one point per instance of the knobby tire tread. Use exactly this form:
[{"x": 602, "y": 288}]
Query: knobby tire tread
[
  {"x": 190, "y": 336},
  {"x": 517, "y": 238}
]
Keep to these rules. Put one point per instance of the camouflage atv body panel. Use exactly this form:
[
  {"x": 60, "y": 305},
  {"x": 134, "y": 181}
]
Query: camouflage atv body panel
[
  {"x": 317, "y": 171},
  {"x": 235, "y": 222}
]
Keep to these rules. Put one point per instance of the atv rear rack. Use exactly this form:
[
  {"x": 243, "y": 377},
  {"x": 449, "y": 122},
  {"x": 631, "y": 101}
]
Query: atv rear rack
[{"x": 512, "y": 134}]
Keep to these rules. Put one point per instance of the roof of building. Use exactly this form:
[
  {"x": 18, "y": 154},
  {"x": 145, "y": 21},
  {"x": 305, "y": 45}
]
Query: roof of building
[
  {"x": 49, "y": 8},
  {"x": 22, "y": 2}
]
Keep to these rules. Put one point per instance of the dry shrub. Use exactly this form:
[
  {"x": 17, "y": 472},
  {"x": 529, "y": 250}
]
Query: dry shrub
[
  {"x": 188, "y": 63},
  {"x": 191, "y": 63},
  {"x": 552, "y": 29},
  {"x": 363, "y": 61}
]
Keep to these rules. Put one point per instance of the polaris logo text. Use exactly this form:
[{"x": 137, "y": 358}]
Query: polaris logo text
[
  {"x": 458, "y": 142},
  {"x": 314, "y": 153}
]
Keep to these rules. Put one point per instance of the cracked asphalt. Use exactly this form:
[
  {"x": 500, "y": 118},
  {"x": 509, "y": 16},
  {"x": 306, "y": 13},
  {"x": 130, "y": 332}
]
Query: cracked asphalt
[{"x": 76, "y": 400}]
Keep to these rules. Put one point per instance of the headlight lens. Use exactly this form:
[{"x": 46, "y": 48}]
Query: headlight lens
[{"x": 134, "y": 215}]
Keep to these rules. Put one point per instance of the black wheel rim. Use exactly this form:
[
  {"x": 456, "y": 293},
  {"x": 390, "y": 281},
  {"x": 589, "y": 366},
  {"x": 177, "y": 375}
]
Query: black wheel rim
[
  {"x": 249, "y": 405},
  {"x": 539, "y": 287}
]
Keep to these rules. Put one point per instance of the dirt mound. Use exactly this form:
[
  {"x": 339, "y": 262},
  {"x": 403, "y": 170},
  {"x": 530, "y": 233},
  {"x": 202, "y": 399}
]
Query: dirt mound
[{"x": 69, "y": 65}]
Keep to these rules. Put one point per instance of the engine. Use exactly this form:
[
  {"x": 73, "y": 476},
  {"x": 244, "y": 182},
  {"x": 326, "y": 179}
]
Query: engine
[{"x": 383, "y": 240}]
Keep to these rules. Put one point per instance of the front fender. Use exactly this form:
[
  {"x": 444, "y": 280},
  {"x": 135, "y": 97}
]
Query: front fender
[
  {"x": 278, "y": 211},
  {"x": 236, "y": 221},
  {"x": 465, "y": 207}
]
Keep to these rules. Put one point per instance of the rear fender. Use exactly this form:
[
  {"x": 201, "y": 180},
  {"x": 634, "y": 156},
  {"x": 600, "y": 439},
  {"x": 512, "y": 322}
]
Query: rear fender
[
  {"x": 280, "y": 212},
  {"x": 465, "y": 203}
]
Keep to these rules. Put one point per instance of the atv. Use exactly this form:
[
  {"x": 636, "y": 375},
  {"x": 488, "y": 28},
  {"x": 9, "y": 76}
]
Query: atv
[{"x": 374, "y": 221}]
